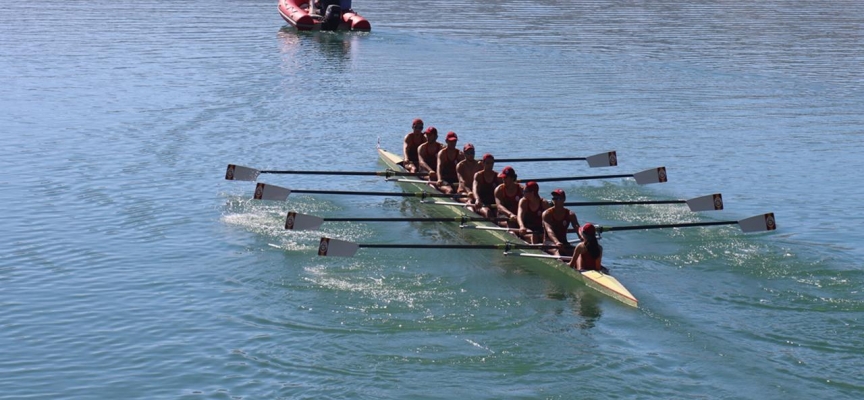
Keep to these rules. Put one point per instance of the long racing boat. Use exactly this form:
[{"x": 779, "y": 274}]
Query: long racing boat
[{"x": 603, "y": 283}]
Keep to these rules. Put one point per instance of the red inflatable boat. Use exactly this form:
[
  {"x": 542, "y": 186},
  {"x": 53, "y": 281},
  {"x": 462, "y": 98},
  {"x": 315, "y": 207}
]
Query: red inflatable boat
[{"x": 326, "y": 15}]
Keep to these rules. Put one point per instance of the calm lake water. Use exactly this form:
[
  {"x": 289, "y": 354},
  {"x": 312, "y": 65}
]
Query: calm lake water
[{"x": 131, "y": 269}]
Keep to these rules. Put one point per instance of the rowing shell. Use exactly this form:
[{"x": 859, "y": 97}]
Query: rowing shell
[{"x": 596, "y": 280}]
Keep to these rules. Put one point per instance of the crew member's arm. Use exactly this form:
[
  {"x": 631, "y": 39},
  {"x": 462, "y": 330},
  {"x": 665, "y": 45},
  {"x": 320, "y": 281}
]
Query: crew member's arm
[
  {"x": 442, "y": 156},
  {"x": 502, "y": 211},
  {"x": 523, "y": 206},
  {"x": 420, "y": 151},
  {"x": 547, "y": 226}
]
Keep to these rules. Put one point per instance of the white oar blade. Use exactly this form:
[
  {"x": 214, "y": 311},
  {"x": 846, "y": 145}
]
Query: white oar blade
[
  {"x": 759, "y": 223},
  {"x": 653, "y": 175},
  {"x": 337, "y": 248},
  {"x": 270, "y": 192},
  {"x": 241, "y": 173},
  {"x": 302, "y": 222},
  {"x": 711, "y": 202},
  {"x": 609, "y": 159}
]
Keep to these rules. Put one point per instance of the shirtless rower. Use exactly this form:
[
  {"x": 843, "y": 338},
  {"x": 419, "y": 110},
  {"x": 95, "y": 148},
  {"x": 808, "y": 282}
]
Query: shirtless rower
[
  {"x": 466, "y": 169},
  {"x": 530, "y": 215},
  {"x": 507, "y": 196},
  {"x": 448, "y": 157},
  {"x": 485, "y": 182},
  {"x": 412, "y": 141},
  {"x": 556, "y": 220},
  {"x": 428, "y": 154}
]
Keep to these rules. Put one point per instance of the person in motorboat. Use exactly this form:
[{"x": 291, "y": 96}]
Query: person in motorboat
[
  {"x": 427, "y": 153},
  {"x": 507, "y": 196},
  {"x": 485, "y": 182},
  {"x": 412, "y": 141},
  {"x": 556, "y": 221},
  {"x": 530, "y": 214},
  {"x": 448, "y": 157},
  {"x": 588, "y": 255},
  {"x": 465, "y": 170}
]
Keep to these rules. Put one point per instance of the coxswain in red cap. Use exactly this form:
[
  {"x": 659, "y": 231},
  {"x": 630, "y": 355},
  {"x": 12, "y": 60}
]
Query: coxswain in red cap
[{"x": 588, "y": 255}]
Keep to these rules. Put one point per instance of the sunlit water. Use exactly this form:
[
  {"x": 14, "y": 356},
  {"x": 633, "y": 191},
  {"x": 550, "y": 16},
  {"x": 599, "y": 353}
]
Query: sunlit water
[{"x": 131, "y": 269}]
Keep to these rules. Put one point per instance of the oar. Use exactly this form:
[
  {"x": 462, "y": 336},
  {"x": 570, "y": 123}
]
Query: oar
[
  {"x": 297, "y": 221},
  {"x": 341, "y": 248},
  {"x": 653, "y": 175},
  {"x": 241, "y": 173},
  {"x": 711, "y": 202},
  {"x": 758, "y": 223},
  {"x": 264, "y": 191},
  {"x": 608, "y": 159}
]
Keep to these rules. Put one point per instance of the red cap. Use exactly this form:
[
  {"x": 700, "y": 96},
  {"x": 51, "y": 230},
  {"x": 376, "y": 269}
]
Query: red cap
[
  {"x": 451, "y": 137},
  {"x": 467, "y": 147},
  {"x": 588, "y": 230},
  {"x": 559, "y": 193},
  {"x": 507, "y": 171},
  {"x": 416, "y": 121},
  {"x": 532, "y": 187},
  {"x": 432, "y": 129},
  {"x": 488, "y": 156}
]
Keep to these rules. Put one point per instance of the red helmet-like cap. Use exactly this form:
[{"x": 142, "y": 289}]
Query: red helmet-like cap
[
  {"x": 451, "y": 137},
  {"x": 432, "y": 130},
  {"x": 532, "y": 187},
  {"x": 559, "y": 193},
  {"x": 588, "y": 230},
  {"x": 507, "y": 171}
]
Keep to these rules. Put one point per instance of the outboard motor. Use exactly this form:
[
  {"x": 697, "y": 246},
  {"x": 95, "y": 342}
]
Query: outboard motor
[{"x": 332, "y": 18}]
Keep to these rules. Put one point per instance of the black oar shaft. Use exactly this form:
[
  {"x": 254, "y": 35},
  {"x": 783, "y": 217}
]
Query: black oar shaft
[
  {"x": 576, "y": 178},
  {"x": 353, "y": 173},
  {"x": 512, "y": 160},
  {"x": 407, "y": 219},
  {"x": 361, "y": 193},
  {"x": 502, "y": 246},
  {"x": 663, "y": 226},
  {"x": 616, "y": 203}
]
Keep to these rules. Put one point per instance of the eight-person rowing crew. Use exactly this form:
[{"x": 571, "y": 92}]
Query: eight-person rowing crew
[{"x": 499, "y": 196}]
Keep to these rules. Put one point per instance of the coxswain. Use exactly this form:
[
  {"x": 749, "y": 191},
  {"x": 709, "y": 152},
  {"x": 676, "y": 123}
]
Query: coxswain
[
  {"x": 507, "y": 196},
  {"x": 413, "y": 140},
  {"x": 556, "y": 221},
  {"x": 530, "y": 215},
  {"x": 588, "y": 254},
  {"x": 428, "y": 154},
  {"x": 485, "y": 182},
  {"x": 448, "y": 157},
  {"x": 466, "y": 169}
]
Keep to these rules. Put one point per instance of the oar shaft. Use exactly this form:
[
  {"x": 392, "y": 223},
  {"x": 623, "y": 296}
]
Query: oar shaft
[
  {"x": 361, "y": 193},
  {"x": 513, "y": 160},
  {"x": 352, "y": 173},
  {"x": 502, "y": 246},
  {"x": 577, "y": 178},
  {"x": 616, "y": 203},
  {"x": 663, "y": 226},
  {"x": 407, "y": 219}
]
